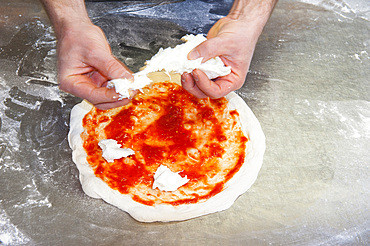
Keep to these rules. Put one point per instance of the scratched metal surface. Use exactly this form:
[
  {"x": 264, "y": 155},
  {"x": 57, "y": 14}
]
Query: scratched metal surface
[{"x": 308, "y": 86}]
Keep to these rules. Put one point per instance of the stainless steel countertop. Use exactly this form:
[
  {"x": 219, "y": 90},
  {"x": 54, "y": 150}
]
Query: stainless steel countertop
[{"x": 308, "y": 85}]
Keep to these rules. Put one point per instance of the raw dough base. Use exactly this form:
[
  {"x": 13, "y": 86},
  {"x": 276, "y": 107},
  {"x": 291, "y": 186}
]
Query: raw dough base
[{"x": 240, "y": 183}]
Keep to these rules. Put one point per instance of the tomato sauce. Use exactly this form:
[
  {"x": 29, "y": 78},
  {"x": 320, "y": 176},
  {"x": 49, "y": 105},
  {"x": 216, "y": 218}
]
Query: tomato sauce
[{"x": 164, "y": 140}]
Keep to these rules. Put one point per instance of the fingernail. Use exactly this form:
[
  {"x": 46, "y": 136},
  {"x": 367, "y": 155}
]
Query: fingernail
[{"x": 194, "y": 54}]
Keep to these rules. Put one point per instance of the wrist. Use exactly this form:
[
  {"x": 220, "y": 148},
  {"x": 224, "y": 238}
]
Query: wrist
[
  {"x": 64, "y": 14},
  {"x": 65, "y": 25},
  {"x": 252, "y": 12}
]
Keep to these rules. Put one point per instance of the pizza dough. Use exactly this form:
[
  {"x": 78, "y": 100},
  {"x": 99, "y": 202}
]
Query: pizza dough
[{"x": 237, "y": 185}]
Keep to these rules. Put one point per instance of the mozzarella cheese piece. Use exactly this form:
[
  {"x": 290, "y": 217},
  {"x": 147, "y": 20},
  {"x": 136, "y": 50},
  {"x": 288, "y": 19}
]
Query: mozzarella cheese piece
[
  {"x": 112, "y": 150},
  {"x": 166, "y": 180},
  {"x": 172, "y": 60}
]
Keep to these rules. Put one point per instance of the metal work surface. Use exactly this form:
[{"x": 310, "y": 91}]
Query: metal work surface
[{"x": 309, "y": 86}]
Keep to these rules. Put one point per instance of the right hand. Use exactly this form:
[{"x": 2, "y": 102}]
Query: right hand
[
  {"x": 233, "y": 38},
  {"x": 86, "y": 64},
  {"x": 234, "y": 42}
]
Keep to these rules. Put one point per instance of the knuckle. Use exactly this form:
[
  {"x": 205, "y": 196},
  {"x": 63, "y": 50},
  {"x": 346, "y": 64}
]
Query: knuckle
[
  {"x": 113, "y": 68},
  {"x": 111, "y": 64}
]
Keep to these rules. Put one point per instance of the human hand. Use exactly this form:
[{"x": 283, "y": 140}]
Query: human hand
[
  {"x": 86, "y": 64},
  {"x": 232, "y": 38}
]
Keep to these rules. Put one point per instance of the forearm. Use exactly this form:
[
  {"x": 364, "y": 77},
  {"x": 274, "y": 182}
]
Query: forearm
[
  {"x": 65, "y": 12},
  {"x": 256, "y": 12}
]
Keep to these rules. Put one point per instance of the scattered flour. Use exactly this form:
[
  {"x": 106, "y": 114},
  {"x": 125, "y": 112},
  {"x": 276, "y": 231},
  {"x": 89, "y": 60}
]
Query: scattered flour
[{"x": 9, "y": 233}]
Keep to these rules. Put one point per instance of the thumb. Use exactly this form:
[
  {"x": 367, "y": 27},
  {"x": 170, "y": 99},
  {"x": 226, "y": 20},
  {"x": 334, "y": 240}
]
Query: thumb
[{"x": 208, "y": 49}]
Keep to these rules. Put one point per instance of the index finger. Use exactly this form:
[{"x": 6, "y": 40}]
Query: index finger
[
  {"x": 217, "y": 88},
  {"x": 82, "y": 86}
]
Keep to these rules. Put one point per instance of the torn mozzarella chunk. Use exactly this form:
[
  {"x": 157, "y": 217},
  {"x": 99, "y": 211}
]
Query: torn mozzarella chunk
[
  {"x": 166, "y": 180},
  {"x": 176, "y": 60},
  {"x": 214, "y": 68},
  {"x": 172, "y": 60},
  {"x": 112, "y": 150},
  {"x": 124, "y": 86}
]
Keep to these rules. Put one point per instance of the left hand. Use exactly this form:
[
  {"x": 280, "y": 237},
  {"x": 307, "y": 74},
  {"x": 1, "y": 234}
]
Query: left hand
[{"x": 86, "y": 64}]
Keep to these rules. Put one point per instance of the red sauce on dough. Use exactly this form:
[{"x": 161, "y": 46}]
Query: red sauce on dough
[{"x": 171, "y": 139}]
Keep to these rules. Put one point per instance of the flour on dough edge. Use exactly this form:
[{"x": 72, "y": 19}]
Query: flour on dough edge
[{"x": 236, "y": 186}]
